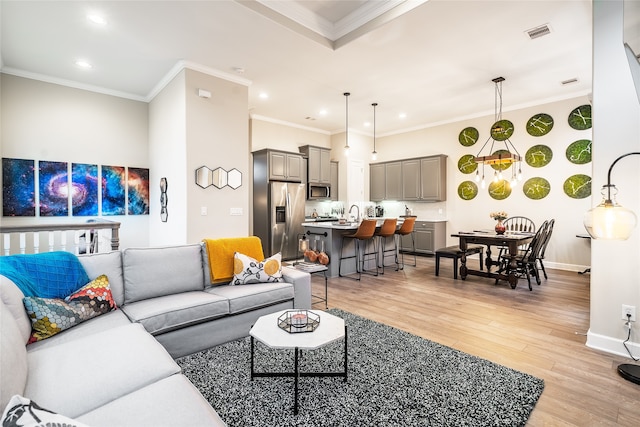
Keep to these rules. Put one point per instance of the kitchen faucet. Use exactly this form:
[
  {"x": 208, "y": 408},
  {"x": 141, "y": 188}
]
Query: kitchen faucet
[{"x": 358, "y": 209}]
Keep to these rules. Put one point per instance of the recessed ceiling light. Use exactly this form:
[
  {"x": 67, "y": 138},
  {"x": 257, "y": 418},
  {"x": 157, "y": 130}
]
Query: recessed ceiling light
[
  {"x": 402, "y": 115},
  {"x": 83, "y": 64},
  {"x": 97, "y": 19},
  {"x": 366, "y": 124},
  {"x": 264, "y": 95},
  {"x": 323, "y": 112}
]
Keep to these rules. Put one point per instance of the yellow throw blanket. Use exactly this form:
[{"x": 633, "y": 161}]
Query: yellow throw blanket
[{"x": 221, "y": 252}]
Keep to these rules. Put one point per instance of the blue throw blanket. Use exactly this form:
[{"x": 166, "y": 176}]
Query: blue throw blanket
[{"x": 45, "y": 275}]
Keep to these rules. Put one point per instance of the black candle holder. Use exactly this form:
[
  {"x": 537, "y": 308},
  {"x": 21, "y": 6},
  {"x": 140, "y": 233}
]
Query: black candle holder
[{"x": 298, "y": 321}]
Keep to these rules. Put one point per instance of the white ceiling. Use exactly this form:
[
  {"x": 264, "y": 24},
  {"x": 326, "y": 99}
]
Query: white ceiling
[{"x": 434, "y": 62}]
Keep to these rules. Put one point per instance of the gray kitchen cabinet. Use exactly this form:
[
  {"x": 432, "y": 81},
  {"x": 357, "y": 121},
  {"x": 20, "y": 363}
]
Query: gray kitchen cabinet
[
  {"x": 285, "y": 166},
  {"x": 433, "y": 178},
  {"x": 393, "y": 181},
  {"x": 411, "y": 179},
  {"x": 334, "y": 180},
  {"x": 377, "y": 184},
  {"x": 429, "y": 236},
  {"x": 318, "y": 164}
]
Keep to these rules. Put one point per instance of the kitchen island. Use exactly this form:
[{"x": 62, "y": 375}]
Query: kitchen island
[{"x": 331, "y": 234}]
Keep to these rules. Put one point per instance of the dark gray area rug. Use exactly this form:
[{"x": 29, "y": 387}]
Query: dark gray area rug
[{"x": 395, "y": 379}]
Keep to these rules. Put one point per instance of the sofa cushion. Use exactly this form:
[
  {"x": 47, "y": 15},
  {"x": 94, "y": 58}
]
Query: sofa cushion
[
  {"x": 182, "y": 405},
  {"x": 164, "y": 314},
  {"x": 13, "y": 357},
  {"x": 88, "y": 372},
  {"x": 155, "y": 272},
  {"x": 249, "y": 270},
  {"x": 50, "y": 316},
  {"x": 221, "y": 255},
  {"x": 113, "y": 319},
  {"x": 244, "y": 298},
  {"x": 12, "y": 297},
  {"x": 109, "y": 263},
  {"x": 25, "y": 412}
]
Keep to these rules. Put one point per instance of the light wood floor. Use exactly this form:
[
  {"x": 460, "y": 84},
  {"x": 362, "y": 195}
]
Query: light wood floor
[{"x": 540, "y": 332}]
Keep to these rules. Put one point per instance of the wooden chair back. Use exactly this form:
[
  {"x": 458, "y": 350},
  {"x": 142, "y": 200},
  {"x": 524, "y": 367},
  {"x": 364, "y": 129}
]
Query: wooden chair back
[{"x": 519, "y": 224}]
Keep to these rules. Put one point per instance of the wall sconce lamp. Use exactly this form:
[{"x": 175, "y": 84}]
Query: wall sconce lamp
[
  {"x": 346, "y": 127},
  {"x": 609, "y": 220}
]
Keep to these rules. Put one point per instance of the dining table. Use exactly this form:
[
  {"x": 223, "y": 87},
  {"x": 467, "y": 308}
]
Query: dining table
[{"x": 510, "y": 240}]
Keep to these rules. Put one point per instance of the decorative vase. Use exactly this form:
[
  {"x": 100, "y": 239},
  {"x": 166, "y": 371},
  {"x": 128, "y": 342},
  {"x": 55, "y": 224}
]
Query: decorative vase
[{"x": 500, "y": 228}]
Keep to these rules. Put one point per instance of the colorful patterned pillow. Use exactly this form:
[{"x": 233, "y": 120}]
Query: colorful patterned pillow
[
  {"x": 50, "y": 316},
  {"x": 248, "y": 270}
]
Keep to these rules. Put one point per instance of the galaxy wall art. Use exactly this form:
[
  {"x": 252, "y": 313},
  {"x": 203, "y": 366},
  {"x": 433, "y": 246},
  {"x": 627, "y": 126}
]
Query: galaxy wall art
[
  {"x": 138, "y": 191},
  {"x": 18, "y": 187},
  {"x": 113, "y": 190},
  {"x": 54, "y": 188},
  {"x": 84, "y": 189}
]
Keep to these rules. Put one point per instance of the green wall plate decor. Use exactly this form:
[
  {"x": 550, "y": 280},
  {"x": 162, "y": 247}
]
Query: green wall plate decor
[
  {"x": 467, "y": 190},
  {"x": 578, "y": 186},
  {"x": 503, "y": 166},
  {"x": 538, "y": 156},
  {"x": 536, "y": 188},
  {"x": 579, "y": 152},
  {"x": 580, "y": 118},
  {"x": 468, "y": 136},
  {"x": 502, "y": 130},
  {"x": 539, "y": 124},
  {"x": 467, "y": 164},
  {"x": 500, "y": 190}
]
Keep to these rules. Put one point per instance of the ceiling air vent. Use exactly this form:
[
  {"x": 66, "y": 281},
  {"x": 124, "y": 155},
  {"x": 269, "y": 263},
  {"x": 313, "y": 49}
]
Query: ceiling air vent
[
  {"x": 568, "y": 82},
  {"x": 540, "y": 31}
]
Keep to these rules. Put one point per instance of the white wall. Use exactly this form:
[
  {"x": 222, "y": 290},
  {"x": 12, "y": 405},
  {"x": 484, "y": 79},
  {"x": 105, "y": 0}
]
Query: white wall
[
  {"x": 44, "y": 121},
  {"x": 276, "y": 136},
  {"x": 217, "y": 136},
  {"x": 168, "y": 159},
  {"x": 615, "y": 278}
]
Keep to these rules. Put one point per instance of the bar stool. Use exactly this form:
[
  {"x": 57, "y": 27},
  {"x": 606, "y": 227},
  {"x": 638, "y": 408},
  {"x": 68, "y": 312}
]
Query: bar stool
[
  {"x": 405, "y": 229},
  {"x": 363, "y": 235},
  {"x": 388, "y": 229}
]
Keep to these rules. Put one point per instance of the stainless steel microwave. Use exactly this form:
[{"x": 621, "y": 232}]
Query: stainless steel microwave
[{"x": 318, "y": 191}]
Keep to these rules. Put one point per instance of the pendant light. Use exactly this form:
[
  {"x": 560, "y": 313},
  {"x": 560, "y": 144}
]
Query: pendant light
[
  {"x": 374, "y": 154},
  {"x": 346, "y": 127},
  {"x": 503, "y": 158}
]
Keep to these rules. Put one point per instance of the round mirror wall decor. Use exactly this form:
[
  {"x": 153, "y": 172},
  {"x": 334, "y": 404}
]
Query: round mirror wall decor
[
  {"x": 468, "y": 136},
  {"x": 579, "y": 152},
  {"x": 536, "y": 188},
  {"x": 578, "y": 186},
  {"x": 580, "y": 118},
  {"x": 539, "y": 124},
  {"x": 467, "y": 190},
  {"x": 467, "y": 164},
  {"x": 538, "y": 156}
]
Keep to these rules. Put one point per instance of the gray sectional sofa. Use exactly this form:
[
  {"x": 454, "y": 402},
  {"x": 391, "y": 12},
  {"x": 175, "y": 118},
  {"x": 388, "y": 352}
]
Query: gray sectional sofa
[{"x": 118, "y": 369}]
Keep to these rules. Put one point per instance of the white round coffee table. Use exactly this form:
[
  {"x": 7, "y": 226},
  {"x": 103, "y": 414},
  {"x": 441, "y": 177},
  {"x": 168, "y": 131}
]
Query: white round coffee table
[{"x": 267, "y": 331}]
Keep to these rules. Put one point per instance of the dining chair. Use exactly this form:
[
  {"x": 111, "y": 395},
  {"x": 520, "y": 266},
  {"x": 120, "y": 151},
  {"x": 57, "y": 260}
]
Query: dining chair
[
  {"x": 388, "y": 229},
  {"x": 544, "y": 247},
  {"x": 406, "y": 229},
  {"x": 520, "y": 224},
  {"x": 363, "y": 235},
  {"x": 526, "y": 260}
]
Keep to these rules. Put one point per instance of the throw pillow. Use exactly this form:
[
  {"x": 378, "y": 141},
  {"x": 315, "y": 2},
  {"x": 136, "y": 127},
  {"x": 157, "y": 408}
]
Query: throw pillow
[
  {"x": 248, "y": 270},
  {"x": 50, "y": 316},
  {"x": 24, "y": 412}
]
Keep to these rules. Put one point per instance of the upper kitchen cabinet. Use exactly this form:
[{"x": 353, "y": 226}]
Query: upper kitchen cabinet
[
  {"x": 433, "y": 181},
  {"x": 282, "y": 165},
  {"x": 422, "y": 179},
  {"x": 385, "y": 181},
  {"x": 318, "y": 164},
  {"x": 334, "y": 181}
]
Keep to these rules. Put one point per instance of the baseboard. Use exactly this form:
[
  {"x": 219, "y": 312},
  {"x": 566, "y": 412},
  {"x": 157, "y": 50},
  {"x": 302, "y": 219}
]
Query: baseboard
[
  {"x": 611, "y": 345},
  {"x": 566, "y": 267}
]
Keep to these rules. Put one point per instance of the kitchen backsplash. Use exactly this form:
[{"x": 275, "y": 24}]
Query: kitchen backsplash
[{"x": 392, "y": 209}]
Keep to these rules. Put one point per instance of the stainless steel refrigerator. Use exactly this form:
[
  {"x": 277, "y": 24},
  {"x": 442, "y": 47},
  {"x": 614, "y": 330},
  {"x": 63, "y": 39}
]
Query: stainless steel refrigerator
[{"x": 278, "y": 216}]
